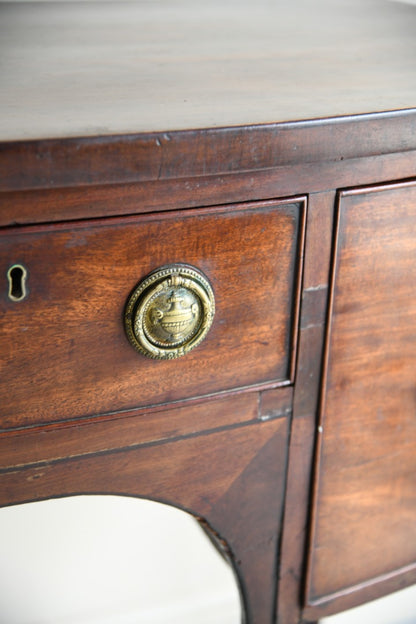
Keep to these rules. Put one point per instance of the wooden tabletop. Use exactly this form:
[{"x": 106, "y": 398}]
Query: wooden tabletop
[{"x": 92, "y": 69}]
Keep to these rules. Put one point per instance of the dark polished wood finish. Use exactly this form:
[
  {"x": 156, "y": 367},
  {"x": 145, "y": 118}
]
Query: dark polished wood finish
[
  {"x": 272, "y": 146},
  {"x": 160, "y": 67},
  {"x": 365, "y": 492},
  {"x": 72, "y": 317},
  {"x": 306, "y": 400}
]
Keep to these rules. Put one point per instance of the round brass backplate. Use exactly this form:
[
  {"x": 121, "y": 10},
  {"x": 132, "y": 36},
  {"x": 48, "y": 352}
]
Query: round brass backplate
[{"x": 169, "y": 312}]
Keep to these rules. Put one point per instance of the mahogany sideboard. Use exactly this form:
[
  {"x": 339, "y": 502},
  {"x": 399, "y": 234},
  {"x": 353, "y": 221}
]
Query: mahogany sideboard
[{"x": 208, "y": 291}]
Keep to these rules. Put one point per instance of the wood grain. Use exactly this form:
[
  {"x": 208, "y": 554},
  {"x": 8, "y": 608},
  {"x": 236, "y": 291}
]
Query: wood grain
[
  {"x": 40, "y": 445},
  {"x": 80, "y": 277},
  {"x": 156, "y": 161},
  {"x": 114, "y": 68},
  {"x": 306, "y": 397},
  {"x": 365, "y": 503}
]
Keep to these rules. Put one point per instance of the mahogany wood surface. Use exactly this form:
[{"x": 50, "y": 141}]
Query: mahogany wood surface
[
  {"x": 365, "y": 502},
  {"x": 116, "y": 68},
  {"x": 306, "y": 398},
  {"x": 22, "y": 447},
  {"x": 72, "y": 317},
  {"x": 181, "y": 156}
]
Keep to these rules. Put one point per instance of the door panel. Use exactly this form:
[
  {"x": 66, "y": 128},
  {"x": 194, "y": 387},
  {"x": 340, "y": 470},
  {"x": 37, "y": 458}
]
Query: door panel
[{"x": 364, "y": 516}]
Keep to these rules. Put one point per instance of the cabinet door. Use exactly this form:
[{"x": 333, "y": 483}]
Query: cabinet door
[{"x": 364, "y": 517}]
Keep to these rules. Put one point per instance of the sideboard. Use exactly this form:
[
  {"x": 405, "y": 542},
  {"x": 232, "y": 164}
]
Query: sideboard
[{"x": 208, "y": 261}]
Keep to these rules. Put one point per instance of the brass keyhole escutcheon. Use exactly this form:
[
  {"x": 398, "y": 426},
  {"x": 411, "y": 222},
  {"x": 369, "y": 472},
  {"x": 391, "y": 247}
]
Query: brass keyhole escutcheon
[
  {"x": 17, "y": 276},
  {"x": 170, "y": 312}
]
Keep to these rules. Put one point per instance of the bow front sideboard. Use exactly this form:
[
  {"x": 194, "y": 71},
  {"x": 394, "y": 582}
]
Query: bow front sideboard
[{"x": 208, "y": 279}]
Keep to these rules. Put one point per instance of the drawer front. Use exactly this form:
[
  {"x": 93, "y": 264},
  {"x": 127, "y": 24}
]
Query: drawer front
[{"x": 64, "y": 348}]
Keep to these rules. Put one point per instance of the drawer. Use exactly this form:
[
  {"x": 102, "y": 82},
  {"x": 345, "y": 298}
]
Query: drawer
[{"x": 65, "y": 352}]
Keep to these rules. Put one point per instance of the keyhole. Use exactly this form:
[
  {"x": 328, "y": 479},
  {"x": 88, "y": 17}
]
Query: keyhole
[{"x": 17, "y": 275}]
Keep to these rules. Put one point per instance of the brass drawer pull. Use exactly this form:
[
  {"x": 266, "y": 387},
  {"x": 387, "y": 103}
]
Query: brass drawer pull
[{"x": 169, "y": 312}]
